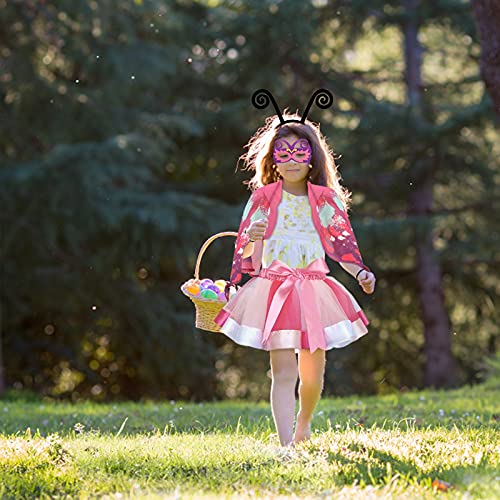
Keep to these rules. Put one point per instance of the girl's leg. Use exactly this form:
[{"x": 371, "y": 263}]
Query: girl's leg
[
  {"x": 284, "y": 379},
  {"x": 311, "y": 370}
]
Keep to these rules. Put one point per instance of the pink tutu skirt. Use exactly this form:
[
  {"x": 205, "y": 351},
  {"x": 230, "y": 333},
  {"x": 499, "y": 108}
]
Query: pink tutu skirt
[{"x": 286, "y": 308}]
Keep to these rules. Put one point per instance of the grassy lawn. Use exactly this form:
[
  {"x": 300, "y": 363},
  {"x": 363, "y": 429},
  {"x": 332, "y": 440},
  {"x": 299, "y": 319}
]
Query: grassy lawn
[{"x": 409, "y": 445}]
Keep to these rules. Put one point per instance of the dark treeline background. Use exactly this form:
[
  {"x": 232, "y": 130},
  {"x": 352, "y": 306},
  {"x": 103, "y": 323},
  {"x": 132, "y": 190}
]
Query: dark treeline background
[{"x": 121, "y": 126}]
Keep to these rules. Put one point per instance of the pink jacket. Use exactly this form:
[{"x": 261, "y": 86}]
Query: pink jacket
[{"x": 329, "y": 218}]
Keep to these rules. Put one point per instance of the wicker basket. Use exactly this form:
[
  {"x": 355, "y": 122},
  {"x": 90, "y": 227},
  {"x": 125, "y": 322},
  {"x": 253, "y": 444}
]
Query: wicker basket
[{"x": 206, "y": 309}]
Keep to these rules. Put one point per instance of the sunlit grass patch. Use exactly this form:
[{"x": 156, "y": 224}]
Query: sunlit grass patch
[
  {"x": 31, "y": 466},
  {"x": 399, "y": 445}
]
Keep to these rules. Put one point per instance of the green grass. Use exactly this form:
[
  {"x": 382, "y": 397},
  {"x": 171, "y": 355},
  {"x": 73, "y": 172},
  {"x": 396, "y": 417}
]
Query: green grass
[{"x": 391, "y": 446}]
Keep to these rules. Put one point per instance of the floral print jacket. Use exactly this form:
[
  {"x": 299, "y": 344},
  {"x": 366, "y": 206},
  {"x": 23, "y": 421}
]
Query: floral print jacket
[{"x": 329, "y": 218}]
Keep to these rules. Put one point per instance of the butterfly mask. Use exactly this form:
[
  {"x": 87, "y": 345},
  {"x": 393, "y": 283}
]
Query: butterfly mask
[{"x": 300, "y": 151}]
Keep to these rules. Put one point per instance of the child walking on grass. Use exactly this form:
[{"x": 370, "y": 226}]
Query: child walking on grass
[{"x": 296, "y": 213}]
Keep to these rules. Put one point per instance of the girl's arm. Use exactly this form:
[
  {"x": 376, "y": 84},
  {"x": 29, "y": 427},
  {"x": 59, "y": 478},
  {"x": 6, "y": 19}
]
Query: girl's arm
[
  {"x": 352, "y": 269},
  {"x": 248, "y": 250},
  {"x": 257, "y": 215},
  {"x": 339, "y": 234},
  {"x": 242, "y": 264}
]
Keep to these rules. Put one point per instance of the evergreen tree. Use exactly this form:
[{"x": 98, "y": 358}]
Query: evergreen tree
[{"x": 121, "y": 129}]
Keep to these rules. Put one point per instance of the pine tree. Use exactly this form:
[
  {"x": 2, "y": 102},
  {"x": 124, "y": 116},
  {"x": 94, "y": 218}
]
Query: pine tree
[{"x": 120, "y": 133}]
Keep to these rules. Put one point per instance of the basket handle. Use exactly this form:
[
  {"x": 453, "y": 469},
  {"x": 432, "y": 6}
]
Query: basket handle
[{"x": 205, "y": 246}]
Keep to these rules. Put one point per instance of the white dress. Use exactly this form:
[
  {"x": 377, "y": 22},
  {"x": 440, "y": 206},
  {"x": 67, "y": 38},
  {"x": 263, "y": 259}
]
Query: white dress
[{"x": 295, "y": 240}]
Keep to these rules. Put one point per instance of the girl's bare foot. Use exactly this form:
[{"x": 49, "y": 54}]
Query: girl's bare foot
[{"x": 302, "y": 432}]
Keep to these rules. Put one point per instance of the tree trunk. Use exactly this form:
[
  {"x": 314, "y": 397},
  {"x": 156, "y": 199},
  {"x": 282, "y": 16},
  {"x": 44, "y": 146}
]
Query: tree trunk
[
  {"x": 440, "y": 368},
  {"x": 439, "y": 362},
  {"x": 487, "y": 13}
]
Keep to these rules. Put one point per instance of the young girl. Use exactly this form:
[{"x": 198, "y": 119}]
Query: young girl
[{"x": 296, "y": 213}]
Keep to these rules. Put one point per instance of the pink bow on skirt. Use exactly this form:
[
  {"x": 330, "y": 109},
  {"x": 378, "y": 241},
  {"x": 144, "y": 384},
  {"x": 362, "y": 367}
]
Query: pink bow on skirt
[{"x": 281, "y": 271}]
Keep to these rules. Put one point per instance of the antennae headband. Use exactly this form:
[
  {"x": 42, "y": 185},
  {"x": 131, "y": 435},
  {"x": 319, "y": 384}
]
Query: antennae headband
[{"x": 262, "y": 97}]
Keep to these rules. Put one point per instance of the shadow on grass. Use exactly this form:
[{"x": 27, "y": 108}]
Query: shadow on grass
[{"x": 410, "y": 411}]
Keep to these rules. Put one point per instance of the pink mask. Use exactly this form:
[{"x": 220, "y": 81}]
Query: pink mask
[{"x": 300, "y": 151}]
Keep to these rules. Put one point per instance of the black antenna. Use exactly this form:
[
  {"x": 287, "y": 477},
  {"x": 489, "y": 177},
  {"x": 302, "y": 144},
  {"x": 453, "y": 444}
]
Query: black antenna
[
  {"x": 262, "y": 97},
  {"x": 324, "y": 99}
]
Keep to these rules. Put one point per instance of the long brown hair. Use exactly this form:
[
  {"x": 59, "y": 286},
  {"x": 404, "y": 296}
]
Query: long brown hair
[{"x": 259, "y": 156}]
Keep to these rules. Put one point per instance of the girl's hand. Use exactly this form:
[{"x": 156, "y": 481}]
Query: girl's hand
[
  {"x": 257, "y": 229},
  {"x": 366, "y": 281}
]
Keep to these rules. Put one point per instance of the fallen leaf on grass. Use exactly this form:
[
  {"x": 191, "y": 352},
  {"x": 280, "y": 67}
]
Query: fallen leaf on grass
[{"x": 441, "y": 485}]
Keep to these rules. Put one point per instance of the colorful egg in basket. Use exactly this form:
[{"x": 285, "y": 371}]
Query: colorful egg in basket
[
  {"x": 206, "y": 294},
  {"x": 212, "y": 292},
  {"x": 206, "y": 283}
]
